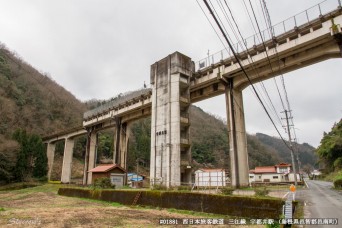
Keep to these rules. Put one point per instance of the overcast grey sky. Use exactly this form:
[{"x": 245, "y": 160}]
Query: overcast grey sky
[{"x": 100, "y": 48}]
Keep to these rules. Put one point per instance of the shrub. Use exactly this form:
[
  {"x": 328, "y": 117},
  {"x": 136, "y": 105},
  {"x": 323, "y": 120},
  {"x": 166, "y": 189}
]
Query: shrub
[
  {"x": 103, "y": 182},
  {"x": 227, "y": 191},
  {"x": 261, "y": 191},
  {"x": 42, "y": 179},
  {"x": 184, "y": 188},
  {"x": 54, "y": 182},
  {"x": 338, "y": 182},
  {"x": 338, "y": 163},
  {"x": 274, "y": 225},
  {"x": 159, "y": 187},
  {"x": 2, "y": 209}
]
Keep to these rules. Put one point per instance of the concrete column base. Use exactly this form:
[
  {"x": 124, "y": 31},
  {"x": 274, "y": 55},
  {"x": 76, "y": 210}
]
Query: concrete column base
[
  {"x": 67, "y": 160},
  {"x": 237, "y": 138},
  {"x": 50, "y": 156},
  {"x": 92, "y": 140}
]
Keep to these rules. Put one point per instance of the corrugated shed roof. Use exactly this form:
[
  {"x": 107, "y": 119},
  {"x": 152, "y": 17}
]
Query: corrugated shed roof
[
  {"x": 265, "y": 169},
  {"x": 105, "y": 168}
]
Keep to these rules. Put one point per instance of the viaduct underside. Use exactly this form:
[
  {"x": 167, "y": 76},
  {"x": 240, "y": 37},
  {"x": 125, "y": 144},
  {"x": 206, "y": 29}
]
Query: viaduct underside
[{"x": 175, "y": 85}]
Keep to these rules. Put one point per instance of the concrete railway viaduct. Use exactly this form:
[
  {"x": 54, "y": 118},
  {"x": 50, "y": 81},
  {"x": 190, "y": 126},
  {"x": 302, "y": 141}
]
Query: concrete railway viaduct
[{"x": 177, "y": 82}]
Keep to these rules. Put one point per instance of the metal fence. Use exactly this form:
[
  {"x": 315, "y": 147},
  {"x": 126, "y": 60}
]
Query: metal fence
[
  {"x": 115, "y": 101},
  {"x": 302, "y": 18}
]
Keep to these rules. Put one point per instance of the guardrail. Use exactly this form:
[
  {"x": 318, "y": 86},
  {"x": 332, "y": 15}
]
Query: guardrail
[{"x": 302, "y": 18}]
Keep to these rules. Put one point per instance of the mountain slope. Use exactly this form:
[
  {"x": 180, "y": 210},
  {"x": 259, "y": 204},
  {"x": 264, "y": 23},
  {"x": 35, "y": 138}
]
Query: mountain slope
[
  {"x": 32, "y": 101},
  {"x": 306, "y": 152},
  {"x": 209, "y": 138}
]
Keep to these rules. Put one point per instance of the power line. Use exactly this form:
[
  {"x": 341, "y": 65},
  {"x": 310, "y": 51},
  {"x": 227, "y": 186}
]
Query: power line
[
  {"x": 268, "y": 58},
  {"x": 267, "y": 18},
  {"x": 211, "y": 24},
  {"x": 242, "y": 68},
  {"x": 249, "y": 60},
  {"x": 221, "y": 42},
  {"x": 268, "y": 21}
]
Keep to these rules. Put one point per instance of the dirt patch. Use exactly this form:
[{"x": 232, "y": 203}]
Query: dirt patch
[{"x": 42, "y": 207}]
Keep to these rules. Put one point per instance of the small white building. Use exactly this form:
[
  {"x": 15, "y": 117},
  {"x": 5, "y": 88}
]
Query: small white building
[
  {"x": 316, "y": 172},
  {"x": 211, "y": 178},
  {"x": 273, "y": 174}
]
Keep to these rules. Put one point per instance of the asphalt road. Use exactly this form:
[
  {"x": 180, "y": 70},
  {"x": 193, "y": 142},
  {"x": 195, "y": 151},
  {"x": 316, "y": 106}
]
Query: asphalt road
[{"x": 321, "y": 201}]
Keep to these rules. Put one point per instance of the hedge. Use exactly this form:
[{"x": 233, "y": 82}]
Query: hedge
[
  {"x": 219, "y": 204},
  {"x": 338, "y": 182}
]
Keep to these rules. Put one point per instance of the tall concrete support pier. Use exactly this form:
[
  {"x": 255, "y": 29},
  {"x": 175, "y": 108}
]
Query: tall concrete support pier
[
  {"x": 90, "y": 157},
  {"x": 170, "y": 145},
  {"x": 121, "y": 140},
  {"x": 237, "y": 136},
  {"x": 50, "y": 157},
  {"x": 67, "y": 160}
]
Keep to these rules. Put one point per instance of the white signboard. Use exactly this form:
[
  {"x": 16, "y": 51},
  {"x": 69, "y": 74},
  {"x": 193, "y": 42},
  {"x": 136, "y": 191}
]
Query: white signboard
[{"x": 117, "y": 179}]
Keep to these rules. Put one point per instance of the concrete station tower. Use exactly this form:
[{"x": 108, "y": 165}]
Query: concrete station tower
[{"x": 170, "y": 143}]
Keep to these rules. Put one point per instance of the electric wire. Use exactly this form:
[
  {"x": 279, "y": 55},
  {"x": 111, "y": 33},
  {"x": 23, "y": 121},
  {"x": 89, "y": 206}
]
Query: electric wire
[
  {"x": 252, "y": 63},
  {"x": 220, "y": 21},
  {"x": 255, "y": 32},
  {"x": 268, "y": 21},
  {"x": 242, "y": 68},
  {"x": 272, "y": 34},
  {"x": 211, "y": 25},
  {"x": 222, "y": 44},
  {"x": 238, "y": 43},
  {"x": 268, "y": 58}
]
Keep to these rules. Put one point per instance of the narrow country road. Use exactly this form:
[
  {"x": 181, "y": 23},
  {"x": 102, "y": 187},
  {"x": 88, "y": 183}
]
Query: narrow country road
[{"x": 321, "y": 201}]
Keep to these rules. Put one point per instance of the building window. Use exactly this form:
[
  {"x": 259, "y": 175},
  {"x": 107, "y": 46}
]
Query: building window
[
  {"x": 250, "y": 176},
  {"x": 282, "y": 170},
  {"x": 275, "y": 177}
]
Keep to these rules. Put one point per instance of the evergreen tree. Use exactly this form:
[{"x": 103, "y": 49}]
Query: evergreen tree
[
  {"x": 21, "y": 167},
  {"x": 31, "y": 158},
  {"x": 40, "y": 162},
  {"x": 4, "y": 168}
]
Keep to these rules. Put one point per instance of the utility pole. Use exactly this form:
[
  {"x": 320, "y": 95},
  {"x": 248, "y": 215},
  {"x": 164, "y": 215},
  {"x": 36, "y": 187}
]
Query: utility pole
[
  {"x": 297, "y": 154},
  {"x": 291, "y": 147}
]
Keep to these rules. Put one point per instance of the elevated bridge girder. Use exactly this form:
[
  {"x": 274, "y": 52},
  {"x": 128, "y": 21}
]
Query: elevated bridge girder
[
  {"x": 313, "y": 42},
  {"x": 298, "y": 48}
]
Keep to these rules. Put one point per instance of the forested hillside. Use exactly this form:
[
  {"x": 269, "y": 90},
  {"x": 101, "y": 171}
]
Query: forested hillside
[
  {"x": 210, "y": 147},
  {"x": 31, "y": 101},
  {"x": 306, "y": 152},
  {"x": 330, "y": 150}
]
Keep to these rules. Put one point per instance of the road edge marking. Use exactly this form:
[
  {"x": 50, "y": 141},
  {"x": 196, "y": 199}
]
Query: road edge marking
[
  {"x": 306, "y": 184},
  {"x": 285, "y": 195}
]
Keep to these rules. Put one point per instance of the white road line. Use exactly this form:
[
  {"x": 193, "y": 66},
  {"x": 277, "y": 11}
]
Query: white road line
[
  {"x": 285, "y": 195},
  {"x": 306, "y": 184}
]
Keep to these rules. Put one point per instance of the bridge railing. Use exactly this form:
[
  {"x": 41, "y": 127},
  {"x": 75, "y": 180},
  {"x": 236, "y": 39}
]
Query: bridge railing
[
  {"x": 302, "y": 18},
  {"x": 120, "y": 99}
]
